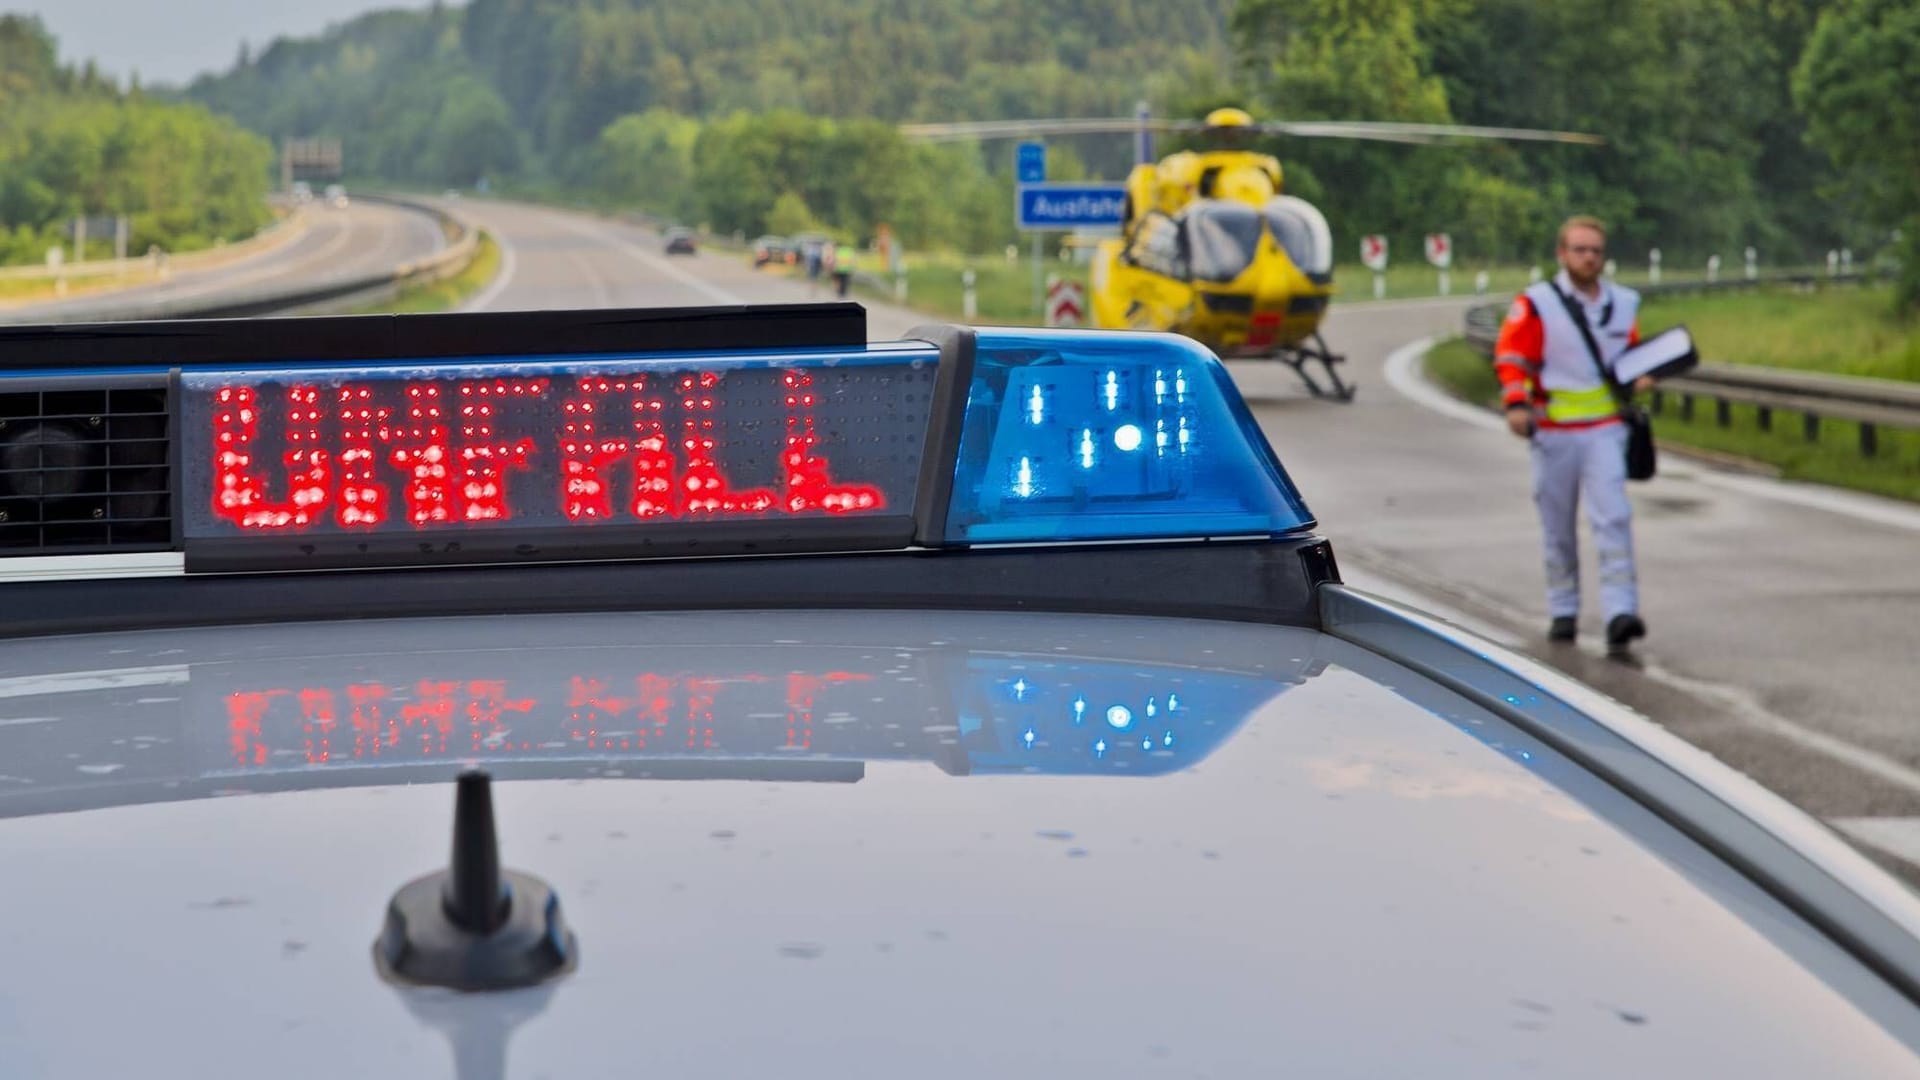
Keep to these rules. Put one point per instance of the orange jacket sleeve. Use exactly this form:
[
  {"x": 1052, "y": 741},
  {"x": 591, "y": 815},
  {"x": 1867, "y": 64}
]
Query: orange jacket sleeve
[{"x": 1517, "y": 352}]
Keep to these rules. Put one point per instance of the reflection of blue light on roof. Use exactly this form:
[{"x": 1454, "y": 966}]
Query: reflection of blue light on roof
[
  {"x": 1053, "y": 420},
  {"x": 1031, "y": 734}
]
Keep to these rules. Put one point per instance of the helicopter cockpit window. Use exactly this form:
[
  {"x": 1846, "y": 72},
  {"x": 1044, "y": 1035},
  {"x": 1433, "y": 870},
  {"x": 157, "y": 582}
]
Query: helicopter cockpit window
[
  {"x": 1156, "y": 247},
  {"x": 1224, "y": 237},
  {"x": 1302, "y": 233}
]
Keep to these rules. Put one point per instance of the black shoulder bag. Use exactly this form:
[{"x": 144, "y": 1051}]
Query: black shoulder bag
[{"x": 1640, "y": 453}]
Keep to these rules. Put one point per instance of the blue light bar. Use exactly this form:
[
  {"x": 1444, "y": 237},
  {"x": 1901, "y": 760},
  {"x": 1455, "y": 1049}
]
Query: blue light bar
[{"x": 1090, "y": 435}]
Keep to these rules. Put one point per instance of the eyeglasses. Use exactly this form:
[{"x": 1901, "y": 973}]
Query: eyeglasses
[{"x": 1587, "y": 250}]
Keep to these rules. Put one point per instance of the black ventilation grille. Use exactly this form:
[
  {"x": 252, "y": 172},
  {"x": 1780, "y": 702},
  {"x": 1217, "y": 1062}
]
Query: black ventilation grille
[{"x": 84, "y": 469}]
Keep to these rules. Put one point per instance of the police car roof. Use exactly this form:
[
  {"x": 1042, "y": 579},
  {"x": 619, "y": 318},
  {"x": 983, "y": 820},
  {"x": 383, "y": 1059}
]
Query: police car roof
[
  {"x": 1036, "y": 732},
  {"x": 1320, "y": 860}
]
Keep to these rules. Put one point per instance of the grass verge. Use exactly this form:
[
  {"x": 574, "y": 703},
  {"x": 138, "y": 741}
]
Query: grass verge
[
  {"x": 1840, "y": 329},
  {"x": 1834, "y": 458},
  {"x": 447, "y": 293}
]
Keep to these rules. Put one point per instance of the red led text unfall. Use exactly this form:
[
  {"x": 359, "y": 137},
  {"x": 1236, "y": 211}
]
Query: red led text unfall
[{"x": 635, "y": 447}]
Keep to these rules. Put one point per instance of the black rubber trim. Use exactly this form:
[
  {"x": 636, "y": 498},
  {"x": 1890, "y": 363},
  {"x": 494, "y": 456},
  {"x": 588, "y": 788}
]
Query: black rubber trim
[
  {"x": 1318, "y": 563},
  {"x": 334, "y": 339},
  {"x": 949, "y": 409},
  {"x": 176, "y": 469},
  {"x": 1876, "y": 940},
  {"x": 1261, "y": 581}
]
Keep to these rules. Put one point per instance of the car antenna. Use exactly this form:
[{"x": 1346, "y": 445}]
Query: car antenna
[{"x": 474, "y": 926}]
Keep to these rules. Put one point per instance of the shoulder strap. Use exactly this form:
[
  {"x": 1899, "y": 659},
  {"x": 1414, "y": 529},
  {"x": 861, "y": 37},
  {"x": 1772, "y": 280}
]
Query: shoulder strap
[{"x": 1579, "y": 316}]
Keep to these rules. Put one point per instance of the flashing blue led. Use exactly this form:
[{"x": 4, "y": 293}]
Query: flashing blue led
[{"x": 1055, "y": 417}]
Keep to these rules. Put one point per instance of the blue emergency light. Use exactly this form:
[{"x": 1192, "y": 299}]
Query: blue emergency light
[{"x": 1091, "y": 435}]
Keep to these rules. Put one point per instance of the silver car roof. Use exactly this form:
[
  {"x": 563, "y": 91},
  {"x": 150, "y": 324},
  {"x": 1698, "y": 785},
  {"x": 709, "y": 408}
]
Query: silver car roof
[{"x": 1337, "y": 866}]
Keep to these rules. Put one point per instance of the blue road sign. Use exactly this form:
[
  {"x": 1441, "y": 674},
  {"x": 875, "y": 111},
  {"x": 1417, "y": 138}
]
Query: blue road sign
[
  {"x": 1030, "y": 162},
  {"x": 1039, "y": 207}
]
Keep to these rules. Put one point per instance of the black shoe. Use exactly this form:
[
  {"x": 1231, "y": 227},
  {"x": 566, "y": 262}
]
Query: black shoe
[
  {"x": 1622, "y": 629},
  {"x": 1564, "y": 628}
]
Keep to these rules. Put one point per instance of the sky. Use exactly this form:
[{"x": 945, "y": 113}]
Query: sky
[{"x": 174, "y": 40}]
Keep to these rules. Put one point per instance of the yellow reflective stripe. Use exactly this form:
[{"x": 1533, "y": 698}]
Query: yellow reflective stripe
[{"x": 1565, "y": 406}]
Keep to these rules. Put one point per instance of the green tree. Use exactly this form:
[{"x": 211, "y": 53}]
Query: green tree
[
  {"x": 790, "y": 215},
  {"x": 1859, "y": 83}
]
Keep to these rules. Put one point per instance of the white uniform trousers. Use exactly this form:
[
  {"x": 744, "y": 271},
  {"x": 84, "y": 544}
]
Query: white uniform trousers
[{"x": 1569, "y": 463}]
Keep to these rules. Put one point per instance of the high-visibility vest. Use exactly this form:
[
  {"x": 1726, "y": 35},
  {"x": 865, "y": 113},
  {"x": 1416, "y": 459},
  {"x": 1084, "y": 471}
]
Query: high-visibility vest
[
  {"x": 1575, "y": 392},
  {"x": 843, "y": 259}
]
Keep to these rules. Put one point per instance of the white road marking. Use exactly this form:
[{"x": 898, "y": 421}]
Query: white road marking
[
  {"x": 1898, "y": 836},
  {"x": 1405, "y": 373},
  {"x": 502, "y": 276},
  {"x": 655, "y": 262},
  {"x": 222, "y": 281}
]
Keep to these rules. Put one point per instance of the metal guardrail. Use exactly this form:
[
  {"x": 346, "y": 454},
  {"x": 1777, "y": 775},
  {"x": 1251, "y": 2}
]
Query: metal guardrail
[
  {"x": 1814, "y": 396},
  {"x": 157, "y": 262},
  {"x": 367, "y": 287}
]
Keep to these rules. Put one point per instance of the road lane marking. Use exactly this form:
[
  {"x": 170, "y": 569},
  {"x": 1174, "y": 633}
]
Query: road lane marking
[
  {"x": 502, "y": 275},
  {"x": 1899, "y": 836},
  {"x": 1405, "y": 373},
  {"x": 654, "y": 262}
]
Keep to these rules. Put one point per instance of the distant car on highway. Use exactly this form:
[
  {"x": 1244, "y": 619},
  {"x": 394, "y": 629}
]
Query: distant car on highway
[
  {"x": 302, "y": 192},
  {"x": 680, "y": 241},
  {"x": 337, "y": 196},
  {"x": 777, "y": 250}
]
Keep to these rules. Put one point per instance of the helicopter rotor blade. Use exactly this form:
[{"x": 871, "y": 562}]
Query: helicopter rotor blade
[
  {"x": 1013, "y": 129},
  {"x": 1390, "y": 131},
  {"x": 1371, "y": 130}
]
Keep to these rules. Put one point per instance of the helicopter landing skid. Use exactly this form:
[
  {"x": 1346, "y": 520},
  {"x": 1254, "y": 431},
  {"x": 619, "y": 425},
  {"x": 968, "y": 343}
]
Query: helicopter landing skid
[{"x": 1315, "y": 349}]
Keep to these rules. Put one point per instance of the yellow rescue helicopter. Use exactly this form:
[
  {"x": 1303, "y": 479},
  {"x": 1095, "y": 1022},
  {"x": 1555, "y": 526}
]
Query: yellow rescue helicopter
[{"x": 1212, "y": 247}]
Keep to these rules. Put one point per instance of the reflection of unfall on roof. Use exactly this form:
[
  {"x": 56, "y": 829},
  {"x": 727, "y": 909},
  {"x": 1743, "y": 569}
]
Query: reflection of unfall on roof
[
  {"x": 1014, "y": 715},
  {"x": 371, "y": 453}
]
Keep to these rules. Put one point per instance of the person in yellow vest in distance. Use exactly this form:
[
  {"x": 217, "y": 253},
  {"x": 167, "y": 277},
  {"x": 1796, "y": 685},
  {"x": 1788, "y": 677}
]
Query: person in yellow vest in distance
[
  {"x": 1558, "y": 398},
  {"x": 843, "y": 268}
]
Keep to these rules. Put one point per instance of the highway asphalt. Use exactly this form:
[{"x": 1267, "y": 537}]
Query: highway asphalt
[
  {"x": 363, "y": 238},
  {"x": 1785, "y": 619}
]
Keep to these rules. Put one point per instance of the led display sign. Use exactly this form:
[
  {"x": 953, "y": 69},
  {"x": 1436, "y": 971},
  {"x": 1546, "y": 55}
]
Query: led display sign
[{"x": 478, "y": 449}]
